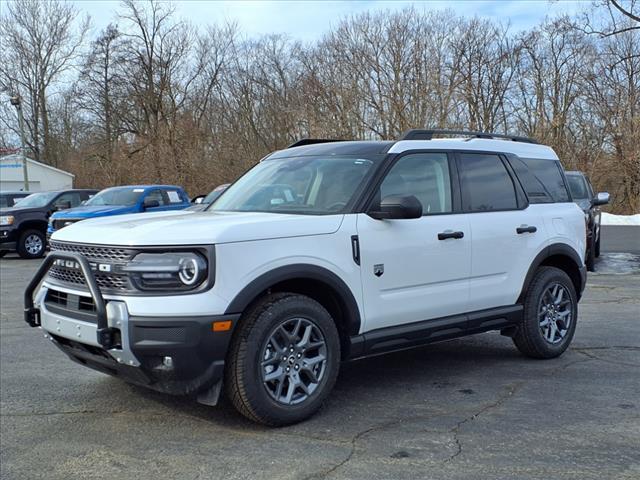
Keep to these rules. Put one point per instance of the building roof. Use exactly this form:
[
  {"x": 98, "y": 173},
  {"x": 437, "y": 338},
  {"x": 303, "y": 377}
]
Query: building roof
[{"x": 30, "y": 161}]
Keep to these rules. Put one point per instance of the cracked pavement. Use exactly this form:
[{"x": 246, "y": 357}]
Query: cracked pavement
[{"x": 463, "y": 409}]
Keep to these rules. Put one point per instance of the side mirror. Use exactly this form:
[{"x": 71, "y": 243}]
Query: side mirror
[
  {"x": 398, "y": 207},
  {"x": 602, "y": 198},
  {"x": 150, "y": 204},
  {"x": 198, "y": 199},
  {"x": 62, "y": 206}
]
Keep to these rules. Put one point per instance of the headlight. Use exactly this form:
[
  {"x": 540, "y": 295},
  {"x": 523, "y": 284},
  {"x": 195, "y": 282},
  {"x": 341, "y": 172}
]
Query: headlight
[
  {"x": 6, "y": 220},
  {"x": 167, "y": 271}
]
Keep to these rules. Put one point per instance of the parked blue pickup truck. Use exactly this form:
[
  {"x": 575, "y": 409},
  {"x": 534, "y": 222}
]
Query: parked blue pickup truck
[{"x": 120, "y": 201}]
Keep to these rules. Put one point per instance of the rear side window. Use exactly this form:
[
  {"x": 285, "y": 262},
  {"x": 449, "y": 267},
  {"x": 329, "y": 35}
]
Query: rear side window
[
  {"x": 155, "y": 195},
  {"x": 549, "y": 174},
  {"x": 486, "y": 184},
  {"x": 173, "y": 197}
]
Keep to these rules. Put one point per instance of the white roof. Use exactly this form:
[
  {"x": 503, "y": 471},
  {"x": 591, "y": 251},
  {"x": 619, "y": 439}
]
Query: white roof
[
  {"x": 522, "y": 149},
  {"x": 30, "y": 161}
]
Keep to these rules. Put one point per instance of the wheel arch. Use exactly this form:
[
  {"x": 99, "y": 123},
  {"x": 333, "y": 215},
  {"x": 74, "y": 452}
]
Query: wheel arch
[
  {"x": 316, "y": 282},
  {"x": 34, "y": 224},
  {"x": 562, "y": 256}
]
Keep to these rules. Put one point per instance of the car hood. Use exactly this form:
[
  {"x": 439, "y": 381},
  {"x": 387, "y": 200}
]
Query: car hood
[
  {"x": 197, "y": 207},
  {"x": 196, "y": 228},
  {"x": 91, "y": 211},
  {"x": 18, "y": 211}
]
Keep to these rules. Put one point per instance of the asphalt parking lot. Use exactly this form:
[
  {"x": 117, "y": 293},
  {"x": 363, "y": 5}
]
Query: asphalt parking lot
[{"x": 463, "y": 409}]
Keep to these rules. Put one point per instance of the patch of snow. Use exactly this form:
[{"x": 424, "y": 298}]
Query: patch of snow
[
  {"x": 610, "y": 219},
  {"x": 617, "y": 264}
]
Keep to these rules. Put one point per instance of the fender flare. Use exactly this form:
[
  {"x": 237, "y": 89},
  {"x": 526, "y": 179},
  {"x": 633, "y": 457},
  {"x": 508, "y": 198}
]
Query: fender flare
[
  {"x": 303, "y": 272},
  {"x": 550, "y": 251}
]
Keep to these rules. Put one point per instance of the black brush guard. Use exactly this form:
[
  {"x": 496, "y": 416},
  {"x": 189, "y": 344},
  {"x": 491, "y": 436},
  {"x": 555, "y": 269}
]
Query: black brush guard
[{"x": 106, "y": 334}]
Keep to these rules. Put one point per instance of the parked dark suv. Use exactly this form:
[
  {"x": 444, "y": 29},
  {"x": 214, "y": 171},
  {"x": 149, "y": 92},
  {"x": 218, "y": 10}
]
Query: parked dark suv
[
  {"x": 9, "y": 199},
  {"x": 582, "y": 193},
  {"x": 24, "y": 226}
]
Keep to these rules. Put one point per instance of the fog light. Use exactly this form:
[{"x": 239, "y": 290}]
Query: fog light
[{"x": 167, "y": 362}]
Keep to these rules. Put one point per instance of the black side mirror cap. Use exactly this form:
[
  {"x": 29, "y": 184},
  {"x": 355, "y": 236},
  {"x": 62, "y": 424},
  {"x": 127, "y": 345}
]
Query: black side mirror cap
[
  {"x": 398, "y": 207},
  {"x": 602, "y": 198}
]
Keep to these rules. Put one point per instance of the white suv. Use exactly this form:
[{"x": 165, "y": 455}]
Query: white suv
[{"x": 323, "y": 252}]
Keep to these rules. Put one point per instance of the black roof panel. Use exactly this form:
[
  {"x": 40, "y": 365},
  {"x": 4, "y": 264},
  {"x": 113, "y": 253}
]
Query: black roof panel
[{"x": 336, "y": 148}]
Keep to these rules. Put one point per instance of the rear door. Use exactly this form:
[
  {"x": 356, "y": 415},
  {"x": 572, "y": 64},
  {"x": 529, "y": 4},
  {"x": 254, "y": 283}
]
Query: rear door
[
  {"x": 408, "y": 273},
  {"x": 507, "y": 232}
]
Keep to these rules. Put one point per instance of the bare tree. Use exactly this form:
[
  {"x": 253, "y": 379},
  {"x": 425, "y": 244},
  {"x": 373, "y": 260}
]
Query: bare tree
[{"x": 41, "y": 41}]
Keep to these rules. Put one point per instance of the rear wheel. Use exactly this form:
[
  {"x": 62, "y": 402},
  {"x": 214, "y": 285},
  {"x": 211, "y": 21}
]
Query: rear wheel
[
  {"x": 283, "y": 361},
  {"x": 31, "y": 244},
  {"x": 550, "y": 315}
]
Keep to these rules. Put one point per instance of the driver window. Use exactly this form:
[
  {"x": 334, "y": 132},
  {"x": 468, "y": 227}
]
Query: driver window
[
  {"x": 155, "y": 195},
  {"x": 72, "y": 197},
  {"x": 423, "y": 175}
]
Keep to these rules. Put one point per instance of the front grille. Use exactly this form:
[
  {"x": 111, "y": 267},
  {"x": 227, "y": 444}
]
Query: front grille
[
  {"x": 70, "y": 301},
  {"x": 58, "y": 224},
  {"x": 108, "y": 281},
  {"x": 74, "y": 306},
  {"x": 95, "y": 252}
]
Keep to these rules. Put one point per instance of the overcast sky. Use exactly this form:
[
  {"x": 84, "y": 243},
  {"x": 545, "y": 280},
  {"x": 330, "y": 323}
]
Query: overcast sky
[{"x": 308, "y": 20}]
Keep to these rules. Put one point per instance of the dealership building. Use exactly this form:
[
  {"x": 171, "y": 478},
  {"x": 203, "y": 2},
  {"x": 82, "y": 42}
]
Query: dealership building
[{"x": 41, "y": 177}]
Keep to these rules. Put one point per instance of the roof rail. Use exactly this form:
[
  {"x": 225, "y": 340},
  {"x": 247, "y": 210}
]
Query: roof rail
[
  {"x": 313, "y": 141},
  {"x": 418, "y": 134}
]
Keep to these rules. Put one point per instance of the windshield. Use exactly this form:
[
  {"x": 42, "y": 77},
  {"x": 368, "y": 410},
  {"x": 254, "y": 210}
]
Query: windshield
[
  {"x": 313, "y": 185},
  {"x": 578, "y": 187},
  {"x": 215, "y": 193},
  {"x": 36, "y": 200},
  {"x": 116, "y": 196}
]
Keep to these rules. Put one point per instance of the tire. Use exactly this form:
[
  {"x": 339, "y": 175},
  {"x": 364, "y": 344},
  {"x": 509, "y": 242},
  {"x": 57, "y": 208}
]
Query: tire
[
  {"x": 3, "y": 253},
  {"x": 597, "y": 249},
  {"x": 31, "y": 244},
  {"x": 531, "y": 337},
  {"x": 590, "y": 258},
  {"x": 257, "y": 338}
]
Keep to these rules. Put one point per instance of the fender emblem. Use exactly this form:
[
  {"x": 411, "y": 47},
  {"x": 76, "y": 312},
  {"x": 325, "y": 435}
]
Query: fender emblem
[{"x": 378, "y": 269}]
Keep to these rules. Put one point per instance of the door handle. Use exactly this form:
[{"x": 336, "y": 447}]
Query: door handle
[
  {"x": 526, "y": 229},
  {"x": 445, "y": 235}
]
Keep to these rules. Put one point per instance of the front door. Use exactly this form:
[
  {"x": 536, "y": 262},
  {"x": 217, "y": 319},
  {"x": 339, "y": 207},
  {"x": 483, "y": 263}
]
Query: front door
[{"x": 415, "y": 269}]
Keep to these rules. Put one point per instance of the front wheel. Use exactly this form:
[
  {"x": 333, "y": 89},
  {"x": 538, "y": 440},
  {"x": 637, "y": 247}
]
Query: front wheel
[
  {"x": 283, "y": 361},
  {"x": 597, "y": 249},
  {"x": 550, "y": 315},
  {"x": 31, "y": 244}
]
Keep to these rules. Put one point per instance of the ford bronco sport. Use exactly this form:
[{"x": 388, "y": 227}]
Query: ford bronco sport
[{"x": 322, "y": 252}]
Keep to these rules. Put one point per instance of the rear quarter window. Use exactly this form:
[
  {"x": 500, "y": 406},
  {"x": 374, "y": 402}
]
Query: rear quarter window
[
  {"x": 174, "y": 196},
  {"x": 549, "y": 174}
]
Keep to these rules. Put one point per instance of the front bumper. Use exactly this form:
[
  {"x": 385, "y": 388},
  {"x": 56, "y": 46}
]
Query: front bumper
[
  {"x": 8, "y": 238},
  {"x": 174, "y": 355}
]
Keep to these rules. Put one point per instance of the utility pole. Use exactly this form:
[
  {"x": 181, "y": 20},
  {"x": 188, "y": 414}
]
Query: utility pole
[{"x": 16, "y": 101}]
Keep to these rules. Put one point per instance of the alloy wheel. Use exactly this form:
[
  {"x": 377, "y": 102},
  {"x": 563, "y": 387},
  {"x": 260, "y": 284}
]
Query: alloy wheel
[
  {"x": 33, "y": 244},
  {"x": 294, "y": 361},
  {"x": 555, "y": 311}
]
